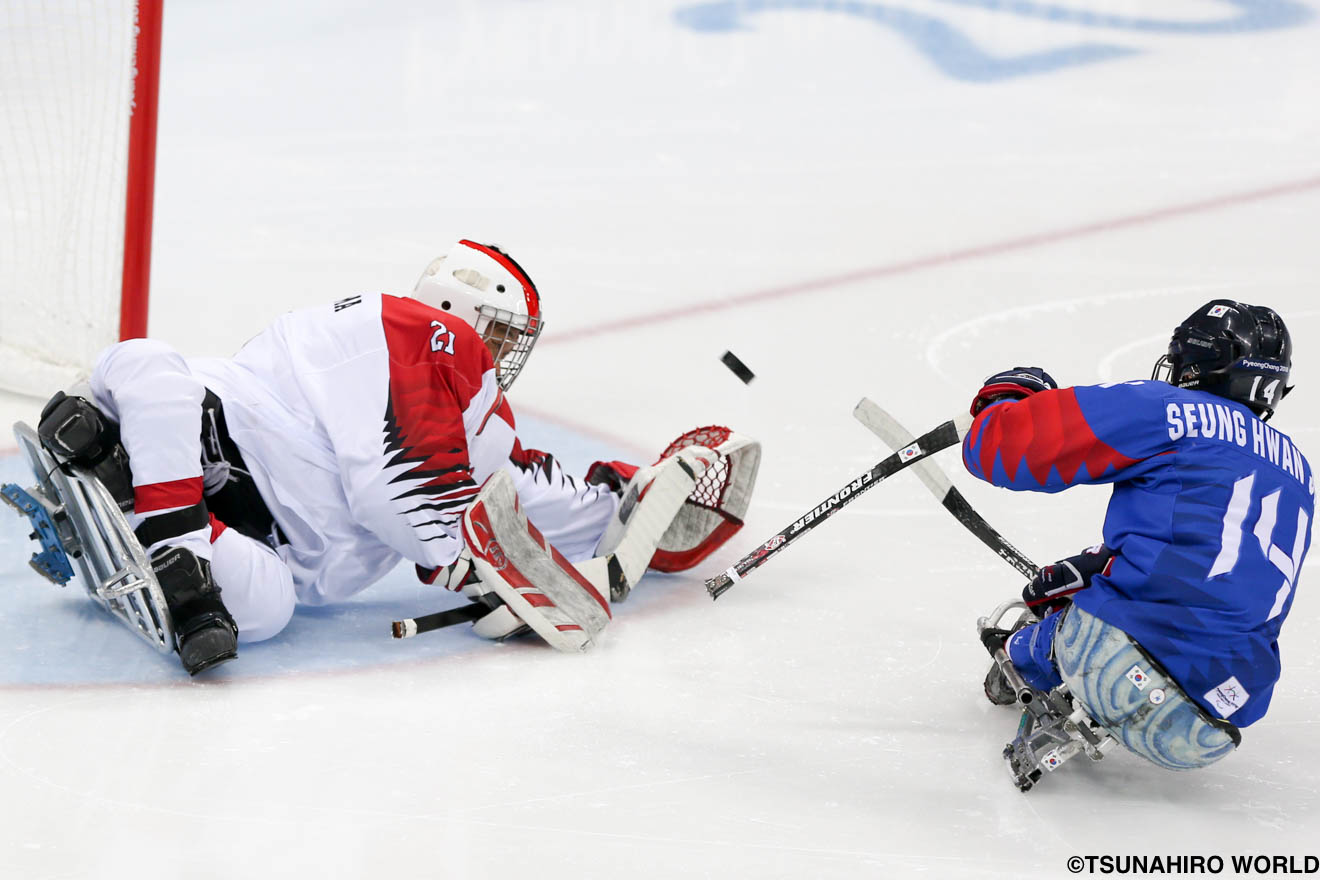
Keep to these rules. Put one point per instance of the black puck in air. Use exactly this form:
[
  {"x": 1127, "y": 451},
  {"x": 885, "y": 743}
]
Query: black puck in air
[{"x": 739, "y": 369}]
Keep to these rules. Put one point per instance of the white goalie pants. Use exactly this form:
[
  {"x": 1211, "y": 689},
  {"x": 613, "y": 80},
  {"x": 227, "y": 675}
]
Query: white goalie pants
[{"x": 149, "y": 390}]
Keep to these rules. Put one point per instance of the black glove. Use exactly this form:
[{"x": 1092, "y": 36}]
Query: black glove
[
  {"x": 1013, "y": 384},
  {"x": 1052, "y": 586}
]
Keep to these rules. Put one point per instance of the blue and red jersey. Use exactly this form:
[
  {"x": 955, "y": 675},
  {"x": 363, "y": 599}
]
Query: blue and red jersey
[{"x": 1210, "y": 516}]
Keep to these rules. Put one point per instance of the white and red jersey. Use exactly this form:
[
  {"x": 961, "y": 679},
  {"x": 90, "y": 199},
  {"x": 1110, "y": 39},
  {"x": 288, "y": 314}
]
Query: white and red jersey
[{"x": 368, "y": 426}]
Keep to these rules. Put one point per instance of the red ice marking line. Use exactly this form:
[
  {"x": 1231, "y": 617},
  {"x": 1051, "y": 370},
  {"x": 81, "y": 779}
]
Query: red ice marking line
[{"x": 943, "y": 259}]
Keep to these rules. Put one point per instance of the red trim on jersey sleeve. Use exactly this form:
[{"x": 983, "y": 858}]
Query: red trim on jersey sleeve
[
  {"x": 163, "y": 496},
  {"x": 217, "y": 527},
  {"x": 1045, "y": 431},
  {"x": 500, "y": 408}
]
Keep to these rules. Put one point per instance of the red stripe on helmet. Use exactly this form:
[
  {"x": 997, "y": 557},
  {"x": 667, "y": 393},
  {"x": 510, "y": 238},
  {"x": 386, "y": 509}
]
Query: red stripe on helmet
[{"x": 529, "y": 289}]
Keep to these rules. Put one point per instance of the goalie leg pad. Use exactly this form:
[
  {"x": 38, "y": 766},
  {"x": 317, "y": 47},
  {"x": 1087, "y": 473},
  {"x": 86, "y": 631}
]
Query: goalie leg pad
[{"x": 538, "y": 584}]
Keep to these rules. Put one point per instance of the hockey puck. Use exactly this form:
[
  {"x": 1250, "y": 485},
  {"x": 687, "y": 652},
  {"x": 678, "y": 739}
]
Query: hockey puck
[{"x": 739, "y": 369}]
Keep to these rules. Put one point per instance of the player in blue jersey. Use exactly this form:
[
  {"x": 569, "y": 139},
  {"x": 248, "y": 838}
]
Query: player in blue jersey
[{"x": 1166, "y": 634}]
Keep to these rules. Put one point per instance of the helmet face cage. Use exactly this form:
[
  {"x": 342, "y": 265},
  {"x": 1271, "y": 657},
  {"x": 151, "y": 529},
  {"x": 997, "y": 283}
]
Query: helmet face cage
[
  {"x": 509, "y": 337},
  {"x": 1236, "y": 351}
]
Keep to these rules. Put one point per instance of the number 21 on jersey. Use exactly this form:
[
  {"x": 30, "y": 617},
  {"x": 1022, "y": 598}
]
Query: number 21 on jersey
[{"x": 442, "y": 339}]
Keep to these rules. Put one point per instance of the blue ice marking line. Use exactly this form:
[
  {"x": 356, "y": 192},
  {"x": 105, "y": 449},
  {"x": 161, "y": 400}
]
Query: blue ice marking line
[
  {"x": 1252, "y": 15},
  {"x": 957, "y": 56},
  {"x": 947, "y": 47}
]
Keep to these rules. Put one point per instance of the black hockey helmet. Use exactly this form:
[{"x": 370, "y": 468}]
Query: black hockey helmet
[{"x": 1232, "y": 349}]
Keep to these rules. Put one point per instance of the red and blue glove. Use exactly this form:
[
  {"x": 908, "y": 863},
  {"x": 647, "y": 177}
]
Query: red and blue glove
[
  {"x": 1013, "y": 384},
  {"x": 1053, "y": 586}
]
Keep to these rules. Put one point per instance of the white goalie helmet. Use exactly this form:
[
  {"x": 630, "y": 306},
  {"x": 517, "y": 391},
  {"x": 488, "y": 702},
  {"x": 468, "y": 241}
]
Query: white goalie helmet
[{"x": 483, "y": 286}]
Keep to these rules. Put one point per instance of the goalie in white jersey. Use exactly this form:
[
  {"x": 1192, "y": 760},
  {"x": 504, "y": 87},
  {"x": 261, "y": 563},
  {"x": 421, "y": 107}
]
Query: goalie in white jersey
[{"x": 346, "y": 437}]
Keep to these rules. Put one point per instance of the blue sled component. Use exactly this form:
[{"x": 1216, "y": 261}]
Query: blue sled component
[{"x": 52, "y": 562}]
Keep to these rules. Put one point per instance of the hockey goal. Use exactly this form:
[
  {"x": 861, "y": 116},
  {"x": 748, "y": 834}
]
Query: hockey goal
[{"x": 78, "y": 86}]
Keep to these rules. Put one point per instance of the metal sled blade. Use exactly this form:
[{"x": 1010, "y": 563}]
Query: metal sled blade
[
  {"x": 77, "y": 519},
  {"x": 1053, "y": 728}
]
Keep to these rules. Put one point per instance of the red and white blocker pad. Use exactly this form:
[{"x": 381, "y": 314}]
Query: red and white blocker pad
[{"x": 539, "y": 585}]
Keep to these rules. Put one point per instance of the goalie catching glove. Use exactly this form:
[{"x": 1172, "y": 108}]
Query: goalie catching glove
[{"x": 711, "y": 514}]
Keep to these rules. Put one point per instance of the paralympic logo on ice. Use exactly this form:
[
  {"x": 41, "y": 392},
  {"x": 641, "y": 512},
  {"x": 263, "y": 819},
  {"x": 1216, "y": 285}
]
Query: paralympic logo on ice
[{"x": 959, "y": 56}]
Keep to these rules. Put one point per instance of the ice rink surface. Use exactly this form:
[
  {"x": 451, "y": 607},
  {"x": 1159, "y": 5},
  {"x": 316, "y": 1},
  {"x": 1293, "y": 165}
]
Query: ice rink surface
[{"x": 883, "y": 199}]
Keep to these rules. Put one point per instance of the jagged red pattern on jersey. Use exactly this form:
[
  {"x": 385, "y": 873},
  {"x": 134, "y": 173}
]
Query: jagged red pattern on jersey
[
  {"x": 1044, "y": 431},
  {"x": 429, "y": 390}
]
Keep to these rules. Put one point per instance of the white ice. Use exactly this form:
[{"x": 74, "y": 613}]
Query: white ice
[{"x": 890, "y": 199}]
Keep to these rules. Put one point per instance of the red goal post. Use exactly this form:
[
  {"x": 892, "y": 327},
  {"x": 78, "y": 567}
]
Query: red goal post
[{"x": 79, "y": 81}]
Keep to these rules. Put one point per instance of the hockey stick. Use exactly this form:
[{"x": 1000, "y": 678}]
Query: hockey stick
[
  {"x": 942, "y": 437},
  {"x": 894, "y": 435},
  {"x": 406, "y": 629}
]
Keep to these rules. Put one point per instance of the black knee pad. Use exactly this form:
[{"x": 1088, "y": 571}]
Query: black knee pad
[{"x": 77, "y": 431}]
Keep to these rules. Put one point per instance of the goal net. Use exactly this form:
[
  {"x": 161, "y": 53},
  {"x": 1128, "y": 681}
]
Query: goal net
[{"x": 77, "y": 142}]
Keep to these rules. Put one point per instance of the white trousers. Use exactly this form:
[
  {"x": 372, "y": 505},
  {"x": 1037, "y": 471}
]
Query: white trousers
[{"x": 147, "y": 388}]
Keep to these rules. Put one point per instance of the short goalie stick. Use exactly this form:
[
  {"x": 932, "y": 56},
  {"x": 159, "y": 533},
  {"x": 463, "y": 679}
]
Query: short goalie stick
[
  {"x": 895, "y": 436},
  {"x": 406, "y": 629},
  {"x": 942, "y": 437}
]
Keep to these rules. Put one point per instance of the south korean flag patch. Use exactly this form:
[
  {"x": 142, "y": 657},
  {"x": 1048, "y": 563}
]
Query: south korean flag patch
[
  {"x": 1138, "y": 677},
  {"x": 1218, "y": 311}
]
